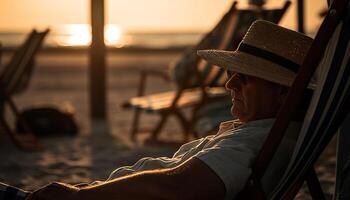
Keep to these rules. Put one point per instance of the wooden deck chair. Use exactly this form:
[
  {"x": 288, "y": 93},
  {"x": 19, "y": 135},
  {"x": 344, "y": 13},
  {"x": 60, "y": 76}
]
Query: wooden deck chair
[
  {"x": 328, "y": 109},
  {"x": 14, "y": 79},
  {"x": 201, "y": 82}
]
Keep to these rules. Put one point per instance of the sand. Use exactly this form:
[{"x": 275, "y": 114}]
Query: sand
[{"x": 61, "y": 80}]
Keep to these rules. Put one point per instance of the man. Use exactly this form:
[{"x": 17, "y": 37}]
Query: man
[{"x": 216, "y": 167}]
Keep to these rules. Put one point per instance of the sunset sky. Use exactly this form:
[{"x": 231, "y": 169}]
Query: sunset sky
[{"x": 141, "y": 15}]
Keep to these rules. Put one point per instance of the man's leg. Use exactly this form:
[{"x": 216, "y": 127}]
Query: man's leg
[{"x": 8, "y": 192}]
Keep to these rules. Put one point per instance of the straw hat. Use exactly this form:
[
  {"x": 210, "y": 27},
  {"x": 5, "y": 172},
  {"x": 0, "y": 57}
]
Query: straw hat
[{"x": 267, "y": 51}]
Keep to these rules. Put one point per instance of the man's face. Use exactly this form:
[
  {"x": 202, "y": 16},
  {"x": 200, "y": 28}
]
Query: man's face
[{"x": 253, "y": 98}]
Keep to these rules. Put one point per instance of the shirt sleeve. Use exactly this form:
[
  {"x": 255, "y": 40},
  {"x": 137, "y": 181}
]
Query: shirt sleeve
[{"x": 231, "y": 157}]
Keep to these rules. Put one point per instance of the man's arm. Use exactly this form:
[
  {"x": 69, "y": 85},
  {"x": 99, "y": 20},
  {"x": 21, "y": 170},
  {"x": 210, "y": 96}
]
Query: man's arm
[{"x": 191, "y": 180}]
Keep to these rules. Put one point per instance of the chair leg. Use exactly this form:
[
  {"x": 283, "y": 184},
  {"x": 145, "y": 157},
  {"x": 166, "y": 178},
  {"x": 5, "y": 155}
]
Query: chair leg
[
  {"x": 191, "y": 129},
  {"x": 290, "y": 195},
  {"x": 135, "y": 124},
  {"x": 184, "y": 124},
  {"x": 154, "y": 132},
  {"x": 159, "y": 127},
  {"x": 25, "y": 141},
  {"x": 192, "y": 122},
  {"x": 313, "y": 185},
  {"x": 193, "y": 119}
]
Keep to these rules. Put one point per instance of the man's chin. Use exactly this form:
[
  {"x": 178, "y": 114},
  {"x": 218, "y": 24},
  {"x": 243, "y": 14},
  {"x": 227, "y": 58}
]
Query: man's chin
[{"x": 242, "y": 116}]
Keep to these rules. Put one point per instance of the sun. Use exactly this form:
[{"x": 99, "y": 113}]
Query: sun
[
  {"x": 72, "y": 35},
  {"x": 80, "y": 35}
]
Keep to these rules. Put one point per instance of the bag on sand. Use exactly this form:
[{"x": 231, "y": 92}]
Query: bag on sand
[{"x": 47, "y": 121}]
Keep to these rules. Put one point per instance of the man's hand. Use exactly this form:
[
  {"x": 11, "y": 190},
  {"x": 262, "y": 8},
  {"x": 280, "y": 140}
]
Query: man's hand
[{"x": 54, "y": 191}]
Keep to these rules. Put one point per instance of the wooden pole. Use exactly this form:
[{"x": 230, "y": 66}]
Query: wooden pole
[
  {"x": 300, "y": 15},
  {"x": 97, "y": 74}
]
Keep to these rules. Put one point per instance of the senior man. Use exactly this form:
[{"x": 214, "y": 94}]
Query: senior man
[{"x": 217, "y": 166}]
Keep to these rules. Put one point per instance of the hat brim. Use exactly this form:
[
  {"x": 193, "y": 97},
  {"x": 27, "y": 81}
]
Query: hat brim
[{"x": 244, "y": 63}]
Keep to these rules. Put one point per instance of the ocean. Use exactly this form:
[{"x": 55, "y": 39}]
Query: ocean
[{"x": 78, "y": 35}]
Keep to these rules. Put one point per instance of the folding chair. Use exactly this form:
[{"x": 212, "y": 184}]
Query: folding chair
[
  {"x": 14, "y": 79},
  {"x": 201, "y": 83},
  {"x": 328, "y": 109}
]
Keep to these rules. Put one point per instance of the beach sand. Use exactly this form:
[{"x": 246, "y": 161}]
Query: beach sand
[{"x": 61, "y": 80}]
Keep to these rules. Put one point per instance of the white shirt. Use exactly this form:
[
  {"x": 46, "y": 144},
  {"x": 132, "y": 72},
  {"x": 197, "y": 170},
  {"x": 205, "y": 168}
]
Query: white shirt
[{"x": 230, "y": 154}]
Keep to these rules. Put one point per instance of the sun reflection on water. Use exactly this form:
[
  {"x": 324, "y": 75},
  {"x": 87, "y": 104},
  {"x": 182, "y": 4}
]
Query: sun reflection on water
[
  {"x": 80, "y": 35},
  {"x": 113, "y": 35}
]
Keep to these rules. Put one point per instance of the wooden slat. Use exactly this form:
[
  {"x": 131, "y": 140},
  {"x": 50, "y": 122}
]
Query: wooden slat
[{"x": 163, "y": 101}]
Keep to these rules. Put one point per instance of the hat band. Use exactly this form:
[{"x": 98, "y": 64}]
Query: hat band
[{"x": 255, "y": 51}]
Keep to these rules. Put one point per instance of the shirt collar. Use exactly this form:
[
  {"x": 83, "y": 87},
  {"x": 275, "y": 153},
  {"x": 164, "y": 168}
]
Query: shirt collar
[{"x": 232, "y": 124}]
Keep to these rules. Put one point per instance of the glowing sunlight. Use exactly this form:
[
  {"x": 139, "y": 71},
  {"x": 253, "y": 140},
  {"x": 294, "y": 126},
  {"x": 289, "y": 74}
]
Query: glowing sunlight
[
  {"x": 113, "y": 35},
  {"x": 80, "y": 35}
]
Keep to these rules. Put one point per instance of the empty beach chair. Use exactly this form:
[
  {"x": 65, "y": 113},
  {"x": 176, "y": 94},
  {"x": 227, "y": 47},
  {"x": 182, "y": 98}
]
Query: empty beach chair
[
  {"x": 14, "y": 79},
  {"x": 198, "y": 83}
]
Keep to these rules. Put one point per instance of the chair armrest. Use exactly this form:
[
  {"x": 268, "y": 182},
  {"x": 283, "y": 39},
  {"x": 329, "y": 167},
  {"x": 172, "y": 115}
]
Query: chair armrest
[
  {"x": 142, "y": 82},
  {"x": 157, "y": 73},
  {"x": 143, "y": 79}
]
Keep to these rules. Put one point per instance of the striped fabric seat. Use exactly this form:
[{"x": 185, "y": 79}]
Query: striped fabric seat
[{"x": 330, "y": 106}]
